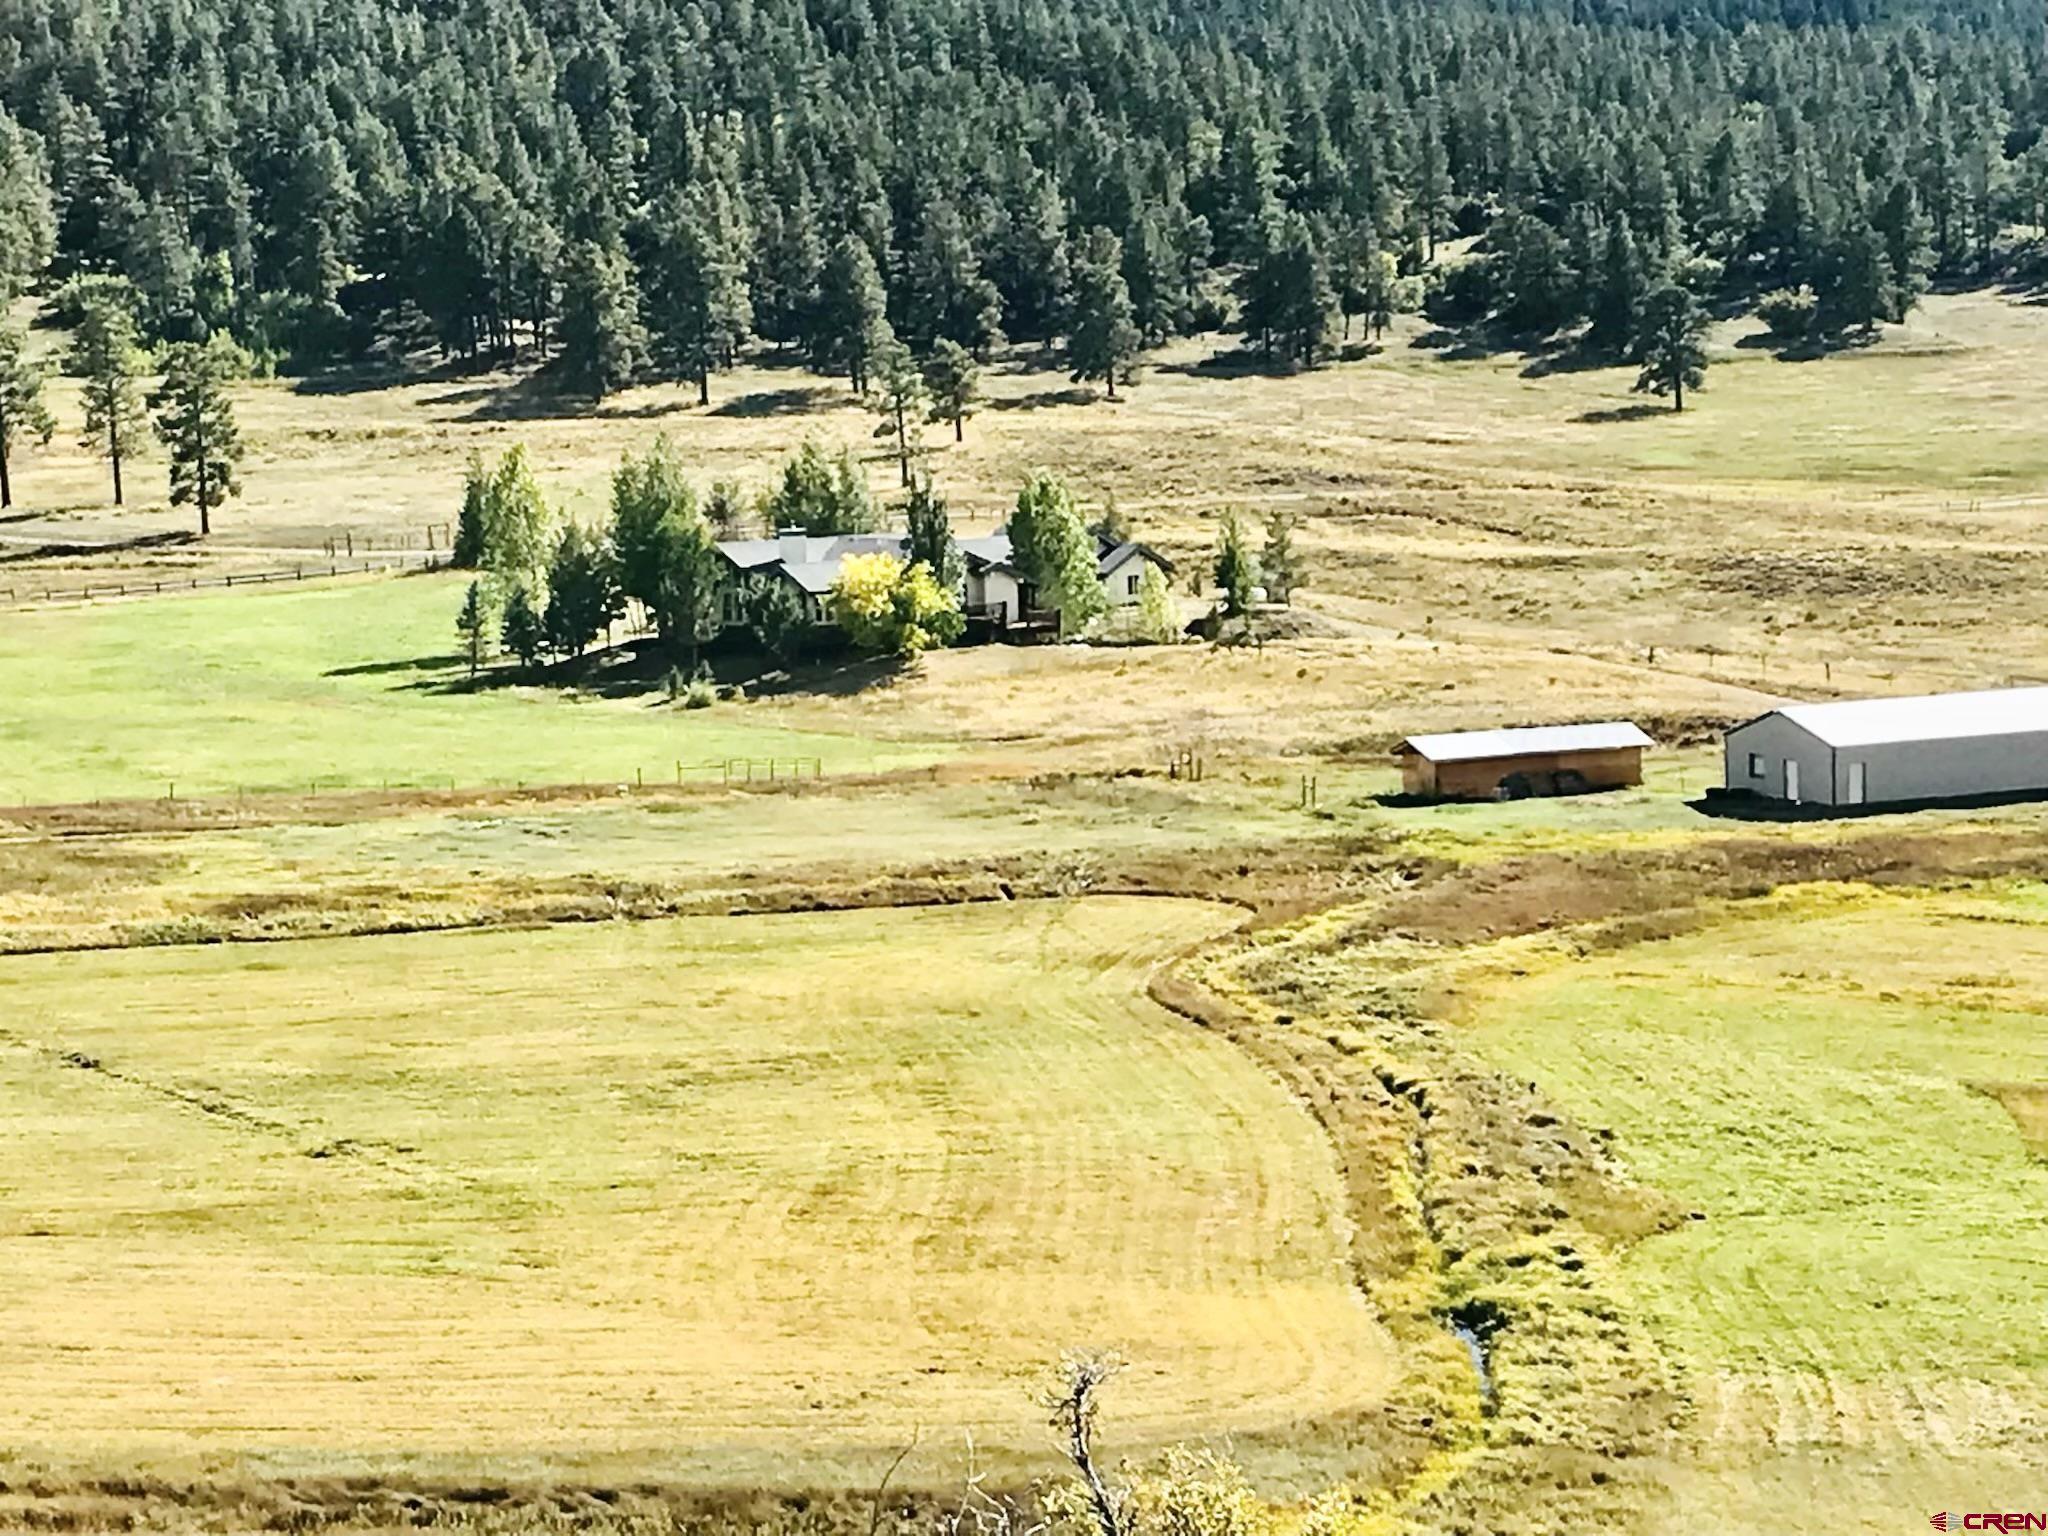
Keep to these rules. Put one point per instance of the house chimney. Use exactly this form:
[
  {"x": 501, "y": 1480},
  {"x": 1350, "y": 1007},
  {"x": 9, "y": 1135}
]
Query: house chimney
[{"x": 792, "y": 546}]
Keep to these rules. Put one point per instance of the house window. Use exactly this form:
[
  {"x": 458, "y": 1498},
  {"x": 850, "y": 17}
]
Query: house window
[
  {"x": 1756, "y": 765},
  {"x": 1131, "y": 585}
]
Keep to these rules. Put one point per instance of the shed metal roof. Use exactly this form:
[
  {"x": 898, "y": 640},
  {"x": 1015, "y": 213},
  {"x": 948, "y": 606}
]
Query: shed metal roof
[
  {"x": 1926, "y": 717},
  {"x": 1520, "y": 741}
]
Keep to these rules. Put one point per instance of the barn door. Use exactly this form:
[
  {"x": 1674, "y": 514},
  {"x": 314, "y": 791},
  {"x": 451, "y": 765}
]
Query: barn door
[
  {"x": 1792, "y": 780},
  {"x": 1856, "y": 783}
]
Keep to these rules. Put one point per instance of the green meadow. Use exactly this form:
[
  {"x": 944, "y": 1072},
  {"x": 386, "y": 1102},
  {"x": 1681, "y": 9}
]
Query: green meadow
[{"x": 352, "y": 685}]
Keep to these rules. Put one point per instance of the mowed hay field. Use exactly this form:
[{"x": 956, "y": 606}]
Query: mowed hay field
[
  {"x": 751, "y": 1199},
  {"x": 351, "y": 685},
  {"x": 1846, "y": 1086}
]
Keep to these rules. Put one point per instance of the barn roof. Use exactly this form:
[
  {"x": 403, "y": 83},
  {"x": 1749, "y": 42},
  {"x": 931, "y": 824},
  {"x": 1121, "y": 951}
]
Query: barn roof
[
  {"x": 1927, "y": 717},
  {"x": 1520, "y": 741}
]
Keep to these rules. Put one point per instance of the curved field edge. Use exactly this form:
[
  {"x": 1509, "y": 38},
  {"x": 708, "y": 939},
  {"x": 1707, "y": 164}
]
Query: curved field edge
[
  {"x": 1481, "y": 1198},
  {"x": 1827, "y": 1078},
  {"x": 663, "y": 1200}
]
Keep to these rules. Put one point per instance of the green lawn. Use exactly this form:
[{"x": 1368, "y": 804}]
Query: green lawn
[
  {"x": 1865, "y": 1290},
  {"x": 738, "y": 1199},
  {"x": 350, "y": 685}
]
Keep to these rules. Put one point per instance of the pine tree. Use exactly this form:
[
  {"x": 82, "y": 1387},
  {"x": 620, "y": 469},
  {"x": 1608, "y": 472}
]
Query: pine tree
[
  {"x": 1906, "y": 242},
  {"x": 107, "y": 356},
  {"x": 1858, "y": 290},
  {"x": 473, "y": 627},
  {"x": 1532, "y": 277},
  {"x": 699, "y": 310},
  {"x": 28, "y": 224},
  {"x": 1619, "y": 294},
  {"x": 522, "y": 630},
  {"x": 930, "y": 526},
  {"x": 949, "y": 299},
  {"x": 1279, "y": 563},
  {"x": 1235, "y": 572},
  {"x": 953, "y": 381},
  {"x": 196, "y": 421},
  {"x": 1103, "y": 341},
  {"x": 1031, "y": 262},
  {"x": 472, "y": 521},
  {"x": 898, "y": 398},
  {"x": 1671, "y": 340},
  {"x": 23, "y": 415},
  {"x": 852, "y": 321},
  {"x": 603, "y": 343},
  {"x": 583, "y": 592}
]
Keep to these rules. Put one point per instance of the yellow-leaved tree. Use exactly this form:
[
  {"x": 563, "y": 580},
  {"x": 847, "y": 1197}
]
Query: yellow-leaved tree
[{"x": 890, "y": 608}]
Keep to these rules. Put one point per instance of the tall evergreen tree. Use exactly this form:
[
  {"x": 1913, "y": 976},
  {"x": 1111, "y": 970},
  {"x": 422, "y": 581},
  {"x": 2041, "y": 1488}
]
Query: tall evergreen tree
[
  {"x": 898, "y": 397},
  {"x": 699, "y": 310},
  {"x": 1103, "y": 340},
  {"x": 852, "y": 322},
  {"x": 1671, "y": 340},
  {"x": 603, "y": 342},
  {"x": 954, "y": 384},
  {"x": 107, "y": 357},
  {"x": 196, "y": 421},
  {"x": 23, "y": 415}
]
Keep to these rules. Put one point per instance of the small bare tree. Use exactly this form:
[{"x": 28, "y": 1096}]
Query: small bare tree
[
  {"x": 1073, "y": 1401},
  {"x": 982, "y": 1513}
]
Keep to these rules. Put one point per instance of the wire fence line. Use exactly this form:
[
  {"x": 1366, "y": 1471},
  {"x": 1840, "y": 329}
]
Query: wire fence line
[
  {"x": 733, "y": 772},
  {"x": 38, "y": 594}
]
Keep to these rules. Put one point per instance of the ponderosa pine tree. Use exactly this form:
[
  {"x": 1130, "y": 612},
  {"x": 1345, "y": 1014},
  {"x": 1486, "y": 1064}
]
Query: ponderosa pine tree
[
  {"x": 930, "y": 527},
  {"x": 196, "y": 422},
  {"x": 699, "y": 311},
  {"x": 1671, "y": 340},
  {"x": 948, "y": 298},
  {"x": 899, "y": 399},
  {"x": 953, "y": 380},
  {"x": 1103, "y": 340},
  {"x": 603, "y": 344},
  {"x": 107, "y": 357},
  {"x": 852, "y": 315},
  {"x": 23, "y": 415}
]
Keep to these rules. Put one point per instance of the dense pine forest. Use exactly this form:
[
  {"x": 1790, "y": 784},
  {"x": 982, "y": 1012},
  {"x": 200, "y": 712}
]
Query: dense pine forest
[{"x": 636, "y": 188}]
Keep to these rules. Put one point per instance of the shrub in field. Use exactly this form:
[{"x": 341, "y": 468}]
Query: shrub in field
[{"x": 1789, "y": 313}]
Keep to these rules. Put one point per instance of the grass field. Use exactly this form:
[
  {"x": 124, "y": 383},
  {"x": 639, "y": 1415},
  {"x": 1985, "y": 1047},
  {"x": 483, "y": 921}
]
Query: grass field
[
  {"x": 353, "y": 685},
  {"x": 772, "y": 1196},
  {"x": 1868, "y": 520},
  {"x": 1859, "y": 1312}
]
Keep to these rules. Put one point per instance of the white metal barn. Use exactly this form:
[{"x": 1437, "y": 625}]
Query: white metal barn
[{"x": 1885, "y": 751}]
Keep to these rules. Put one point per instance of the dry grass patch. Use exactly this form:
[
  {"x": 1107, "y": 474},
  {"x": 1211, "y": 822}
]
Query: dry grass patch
[{"x": 740, "y": 1199}]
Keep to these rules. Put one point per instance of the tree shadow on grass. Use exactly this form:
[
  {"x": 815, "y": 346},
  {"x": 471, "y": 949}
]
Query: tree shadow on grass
[
  {"x": 389, "y": 668},
  {"x": 641, "y": 669},
  {"x": 541, "y": 396},
  {"x": 794, "y": 400},
  {"x": 59, "y": 550},
  {"x": 1039, "y": 399},
  {"x": 1641, "y": 411},
  {"x": 1809, "y": 349},
  {"x": 1233, "y": 363}
]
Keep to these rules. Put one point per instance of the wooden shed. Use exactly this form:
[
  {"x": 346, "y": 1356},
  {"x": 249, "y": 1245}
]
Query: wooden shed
[{"x": 1526, "y": 761}]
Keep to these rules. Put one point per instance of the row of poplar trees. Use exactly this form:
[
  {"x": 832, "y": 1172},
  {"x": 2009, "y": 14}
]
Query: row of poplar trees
[{"x": 638, "y": 188}]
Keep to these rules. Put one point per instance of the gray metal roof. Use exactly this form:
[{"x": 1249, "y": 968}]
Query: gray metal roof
[
  {"x": 1518, "y": 741},
  {"x": 1927, "y": 717}
]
